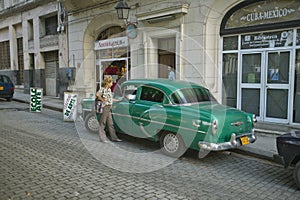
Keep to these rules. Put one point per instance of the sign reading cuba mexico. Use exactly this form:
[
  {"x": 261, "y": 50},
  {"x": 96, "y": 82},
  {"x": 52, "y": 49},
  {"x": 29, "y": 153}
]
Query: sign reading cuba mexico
[
  {"x": 36, "y": 95},
  {"x": 70, "y": 106}
]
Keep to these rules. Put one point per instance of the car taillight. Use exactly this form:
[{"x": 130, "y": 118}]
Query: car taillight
[
  {"x": 12, "y": 89},
  {"x": 214, "y": 127},
  {"x": 254, "y": 120}
]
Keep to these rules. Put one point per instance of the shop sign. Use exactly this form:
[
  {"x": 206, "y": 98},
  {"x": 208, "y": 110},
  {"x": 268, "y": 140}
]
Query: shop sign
[
  {"x": 269, "y": 14},
  {"x": 267, "y": 40},
  {"x": 111, "y": 43},
  {"x": 36, "y": 95},
  {"x": 70, "y": 106},
  {"x": 264, "y": 12}
]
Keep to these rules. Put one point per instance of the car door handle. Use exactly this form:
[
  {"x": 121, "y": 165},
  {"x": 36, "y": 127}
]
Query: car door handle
[{"x": 197, "y": 123}]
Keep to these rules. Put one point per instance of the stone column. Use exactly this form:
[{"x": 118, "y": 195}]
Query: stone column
[{"x": 13, "y": 51}]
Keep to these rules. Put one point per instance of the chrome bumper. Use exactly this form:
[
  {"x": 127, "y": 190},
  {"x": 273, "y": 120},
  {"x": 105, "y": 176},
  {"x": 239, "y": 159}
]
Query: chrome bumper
[{"x": 233, "y": 143}]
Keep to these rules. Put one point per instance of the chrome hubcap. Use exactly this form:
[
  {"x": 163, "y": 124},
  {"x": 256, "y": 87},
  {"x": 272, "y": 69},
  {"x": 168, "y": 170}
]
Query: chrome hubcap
[{"x": 171, "y": 143}]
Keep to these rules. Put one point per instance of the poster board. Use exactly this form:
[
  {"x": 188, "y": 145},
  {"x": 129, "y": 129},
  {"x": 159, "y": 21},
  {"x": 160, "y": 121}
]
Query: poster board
[
  {"x": 36, "y": 96},
  {"x": 70, "y": 106}
]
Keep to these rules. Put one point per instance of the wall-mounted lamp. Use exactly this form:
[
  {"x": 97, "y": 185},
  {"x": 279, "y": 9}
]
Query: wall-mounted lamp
[{"x": 122, "y": 10}]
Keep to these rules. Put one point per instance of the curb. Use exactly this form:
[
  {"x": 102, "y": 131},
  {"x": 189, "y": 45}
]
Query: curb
[
  {"x": 252, "y": 154},
  {"x": 44, "y": 105},
  {"x": 268, "y": 132}
]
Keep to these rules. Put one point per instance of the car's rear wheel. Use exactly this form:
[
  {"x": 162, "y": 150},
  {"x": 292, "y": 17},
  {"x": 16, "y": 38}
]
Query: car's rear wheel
[
  {"x": 172, "y": 144},
  {"x": 91, "y": 123},
  {"x": 297, "y": 174}
]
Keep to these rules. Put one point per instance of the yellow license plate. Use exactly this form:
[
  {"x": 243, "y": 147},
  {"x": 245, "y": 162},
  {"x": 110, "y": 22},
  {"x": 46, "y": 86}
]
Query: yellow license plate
[
  {"x": 244, "y": 140},
  {"x": 1, "y": 88}
]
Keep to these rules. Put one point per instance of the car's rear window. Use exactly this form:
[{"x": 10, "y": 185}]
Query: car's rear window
[
  {"x": 4, "y": 79},
  {"x": 191, "y": 95}
]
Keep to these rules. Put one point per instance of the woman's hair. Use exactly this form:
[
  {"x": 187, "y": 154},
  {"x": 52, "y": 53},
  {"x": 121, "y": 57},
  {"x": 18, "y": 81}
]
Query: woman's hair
[
  {"x": 107, "y": 80},
  {"x": 97, "y": 87}
]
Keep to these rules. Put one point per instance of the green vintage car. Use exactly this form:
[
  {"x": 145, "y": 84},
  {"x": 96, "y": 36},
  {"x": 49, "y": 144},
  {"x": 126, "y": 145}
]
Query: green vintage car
[{"x": 179, "y": 115}]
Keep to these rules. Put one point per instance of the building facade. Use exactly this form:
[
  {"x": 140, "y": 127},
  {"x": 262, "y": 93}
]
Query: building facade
[
  {"x": 33, "y": 45},
  {"x": 246, "y": 52}
]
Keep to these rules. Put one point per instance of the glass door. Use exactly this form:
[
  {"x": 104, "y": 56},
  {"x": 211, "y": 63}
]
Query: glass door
[
  {"x": 251, "y": 83},
  {"x": 277, "y": 86}
]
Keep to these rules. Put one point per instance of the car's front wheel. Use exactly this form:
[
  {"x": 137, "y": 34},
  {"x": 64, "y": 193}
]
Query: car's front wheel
[
  {"x": 172, "y": 144},
  {"x": 91, "y": 123},
  {"x": 297, "y": 174}
]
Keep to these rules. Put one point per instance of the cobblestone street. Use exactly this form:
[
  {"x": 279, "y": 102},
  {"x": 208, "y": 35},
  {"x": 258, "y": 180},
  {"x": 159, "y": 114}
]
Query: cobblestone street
[{"x": 42, "y": 157}]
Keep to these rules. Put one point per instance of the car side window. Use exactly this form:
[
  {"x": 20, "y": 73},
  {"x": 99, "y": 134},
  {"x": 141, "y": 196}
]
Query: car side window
[
  {"x": 130, "y": 91},
  {"x": 152, "y": 94},
  {"x": 191, "y": 95}
]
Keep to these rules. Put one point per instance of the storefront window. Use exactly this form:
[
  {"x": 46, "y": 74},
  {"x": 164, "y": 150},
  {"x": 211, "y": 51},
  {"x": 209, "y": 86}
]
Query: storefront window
[
  {"x": 297, "y": 89},
  {"x": 230, "y": 43},
  {"x": 230, "y": 65}
]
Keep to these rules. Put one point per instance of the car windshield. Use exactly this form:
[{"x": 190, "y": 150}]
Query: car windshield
[{"x": 192, "y": 95}]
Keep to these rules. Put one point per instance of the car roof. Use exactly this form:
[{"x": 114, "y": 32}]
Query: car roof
[{"x": 168, "y": 86}]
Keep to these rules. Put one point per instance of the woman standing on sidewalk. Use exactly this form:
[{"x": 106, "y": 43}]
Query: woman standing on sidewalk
[{"x": 105, "y": 96}]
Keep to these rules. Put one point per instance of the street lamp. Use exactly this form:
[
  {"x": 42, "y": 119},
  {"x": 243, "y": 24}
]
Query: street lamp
[{"x": 122, "y": 10}]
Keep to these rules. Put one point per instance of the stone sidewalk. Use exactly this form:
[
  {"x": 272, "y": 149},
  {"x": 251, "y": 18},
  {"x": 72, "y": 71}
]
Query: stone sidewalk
[{"x": 264, "y": 147}]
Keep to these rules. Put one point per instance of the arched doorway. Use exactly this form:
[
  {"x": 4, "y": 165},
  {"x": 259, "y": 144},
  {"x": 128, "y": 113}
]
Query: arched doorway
[{"x": 260, "y": 48}]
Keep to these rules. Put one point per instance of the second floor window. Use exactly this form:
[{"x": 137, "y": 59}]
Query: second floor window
[{"x": 51, "y": 25}]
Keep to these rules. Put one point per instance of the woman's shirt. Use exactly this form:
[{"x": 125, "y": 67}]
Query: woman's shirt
[{"x": 106, "y": 94}]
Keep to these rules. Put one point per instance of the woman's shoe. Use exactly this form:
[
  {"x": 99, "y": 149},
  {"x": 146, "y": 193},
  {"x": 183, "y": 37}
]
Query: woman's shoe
[
  {"x": 104, "y": 141},
  {"x": 117, "y": 140}
]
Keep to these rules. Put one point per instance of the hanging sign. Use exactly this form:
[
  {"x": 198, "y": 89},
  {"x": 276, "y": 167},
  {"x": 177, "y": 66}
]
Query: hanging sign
[
  {"x": 36, "y": 95},
  {"x": 131, "y": 30},
  {"x": 70, "y": 106}
]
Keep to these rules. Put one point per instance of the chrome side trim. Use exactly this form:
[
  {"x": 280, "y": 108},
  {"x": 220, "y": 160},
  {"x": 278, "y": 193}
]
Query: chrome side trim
[{"x": 159, "y": 123}]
